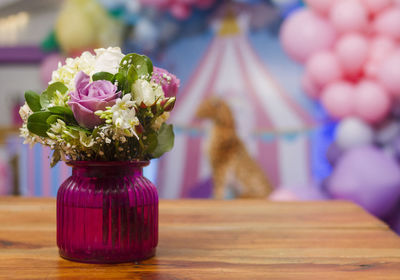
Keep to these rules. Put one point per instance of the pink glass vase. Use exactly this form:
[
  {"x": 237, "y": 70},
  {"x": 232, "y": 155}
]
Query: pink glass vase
[{"x": 107, "y": 212}]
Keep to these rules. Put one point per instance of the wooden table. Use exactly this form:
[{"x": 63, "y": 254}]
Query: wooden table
[{"x": 216, "y": 240}]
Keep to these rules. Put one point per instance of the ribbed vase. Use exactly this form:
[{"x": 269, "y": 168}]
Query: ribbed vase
[{"x": 107, "y": 212}]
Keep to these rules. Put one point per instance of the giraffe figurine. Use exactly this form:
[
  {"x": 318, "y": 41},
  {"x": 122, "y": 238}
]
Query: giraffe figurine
[{"x": 228, "y": 155}]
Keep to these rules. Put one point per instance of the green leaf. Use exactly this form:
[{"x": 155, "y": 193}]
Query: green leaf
[
  {"x": 149, "y": 65},
  {"x": 45, "y": 98},
  {"x": 78, "y": 128},
  {"x": 52, "y": 119},
  {"x": 57, "y": 86},
  {"x": 103, "y": 76},
  {"x": 120, "y": 78},
  {"x": 37, "y": 123},
  {"x": 33, "y": 100},
  {"x": 48, "y": 94},
  {"x": 131, "y": 77},
  {"x": 142, "y": 64},
  {"x": 165, "y": 140},
  {"x": 60, "y": 110},
  {"x": 151, "y": 143}
]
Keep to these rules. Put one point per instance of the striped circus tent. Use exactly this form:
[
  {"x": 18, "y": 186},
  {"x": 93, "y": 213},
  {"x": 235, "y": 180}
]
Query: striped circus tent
[{"x": 271, "y": 123}]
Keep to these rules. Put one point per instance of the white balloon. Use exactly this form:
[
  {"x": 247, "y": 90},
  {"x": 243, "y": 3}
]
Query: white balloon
[
  {"x": 145, "y": 34},
  {"x": 353, "y": 132}
]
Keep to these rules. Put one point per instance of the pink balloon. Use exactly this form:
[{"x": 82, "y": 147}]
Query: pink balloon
[
  {"x": 323, "y": 68},
  {"x": 388, "y": 23},
  {"x": 371, "y": 102},
  {"x": 389, "y": 74},
  {"x": 380, "y": 48},
  {"x": 376, "y": 6},
  {"x": 180, "y": 11},
  {"x": 305, "y": 33},
  {"x": 310, "y": 88},
  {"x": 320, "y": 6},
  {"x": 337, "y": 99},
  {"x": 49, "y": 64},
  {"x": 352, "y": 52},
  {"x": 349, "y": 16}
]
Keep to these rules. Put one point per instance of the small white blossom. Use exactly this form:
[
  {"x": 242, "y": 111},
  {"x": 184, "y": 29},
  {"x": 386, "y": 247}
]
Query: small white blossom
[
  {"x": 25, "y": 112},
  {"x": 85, "y": 140},
  {"x": 123, "y": 104},
  {"x": 58, "y": 127}
]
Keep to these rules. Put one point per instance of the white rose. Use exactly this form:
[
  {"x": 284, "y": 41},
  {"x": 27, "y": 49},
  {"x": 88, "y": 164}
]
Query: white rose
[
  {"x": 107, "y": 60},
  {"x": 143, "y": 91}
]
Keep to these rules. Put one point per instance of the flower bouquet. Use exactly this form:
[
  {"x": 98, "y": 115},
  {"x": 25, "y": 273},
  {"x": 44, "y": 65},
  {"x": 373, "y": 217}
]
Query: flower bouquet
[{"x": 104, "y": 114}]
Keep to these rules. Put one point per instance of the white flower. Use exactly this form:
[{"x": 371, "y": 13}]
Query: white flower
[
  {"x": 146, "y": 92},
  {"x": 124, "y": 115},
  {"x": 28, "y": 137},
  {"x": 123, "y": 104},
  {"x": 25, "y": 112},
  {"x": 66, "y": 73},
  {"x": 85, "y": 140},
  {"x": 125, "y": 119},
  {"x": 58, "y": 127},
  {"x": 107, "y": 60}
]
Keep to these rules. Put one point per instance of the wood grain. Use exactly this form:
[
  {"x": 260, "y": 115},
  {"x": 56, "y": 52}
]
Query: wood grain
[{"x": 216, "y": 240}]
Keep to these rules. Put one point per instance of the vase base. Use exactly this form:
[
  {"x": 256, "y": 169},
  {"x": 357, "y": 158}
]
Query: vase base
[{"x": 103, "y": 260}]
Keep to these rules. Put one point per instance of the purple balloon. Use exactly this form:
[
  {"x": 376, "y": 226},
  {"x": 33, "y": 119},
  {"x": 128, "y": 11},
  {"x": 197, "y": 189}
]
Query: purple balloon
[
  {"x": 396, "y": 147},
  {"x": 368, "y": 177},
  {"x": 334, "y": 153}
]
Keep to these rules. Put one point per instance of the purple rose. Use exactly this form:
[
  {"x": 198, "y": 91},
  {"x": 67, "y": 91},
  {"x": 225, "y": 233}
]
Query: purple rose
[
  {"x": 169, "y": 82},
  {"x": 89, "y": 97}
]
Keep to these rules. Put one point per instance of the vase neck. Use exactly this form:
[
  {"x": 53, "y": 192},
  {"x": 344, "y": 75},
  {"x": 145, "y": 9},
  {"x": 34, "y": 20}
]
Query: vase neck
[{"x": 107, "y": 169}]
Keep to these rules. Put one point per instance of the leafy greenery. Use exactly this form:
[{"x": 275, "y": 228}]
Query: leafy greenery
[
  {"x": 48, "y": 95},
  {"x": 37, "y": 123},
  {"x": 33, "y": 100},
  {"x": 44, "y": 114},
  {"x": 103, "y": 76},
  {"x": 132, "y": 67},
  {"x": 165, "y": 140}
]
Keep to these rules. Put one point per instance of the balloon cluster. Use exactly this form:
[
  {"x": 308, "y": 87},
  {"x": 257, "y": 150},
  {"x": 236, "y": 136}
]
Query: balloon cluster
[{"x": 351, "y": 53}]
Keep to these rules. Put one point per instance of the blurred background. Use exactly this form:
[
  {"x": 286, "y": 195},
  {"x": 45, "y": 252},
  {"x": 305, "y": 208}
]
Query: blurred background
[{"x": 312, "y": 87}]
